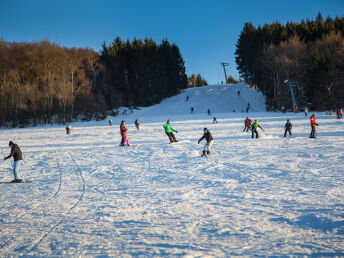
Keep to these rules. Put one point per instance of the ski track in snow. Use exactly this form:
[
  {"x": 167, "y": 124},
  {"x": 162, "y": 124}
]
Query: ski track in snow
[{"x": 89, "y": 197}]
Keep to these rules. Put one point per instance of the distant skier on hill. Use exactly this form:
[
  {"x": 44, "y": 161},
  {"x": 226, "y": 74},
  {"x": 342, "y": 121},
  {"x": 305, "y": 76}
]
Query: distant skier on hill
[
  {"x": 313, "y": 124},
  {"x": 68, "y": 128},
  {"x": 110, "y": 122},
  {"x": 287, "y": 128},
  {"x": 247, "y": 124},
  {"x": 209, "y": 113},
  {"x": 209, "y": 138},
  {"x": 137, "y": 124},
  {"x": 121, "y": 130},
  {"x": 192, "y": 110},
  {"x": 248, "y": 107},
  {"x": 214, "y": 120},
  {"x": 168, "y": 130},
  {"x": 18, "y": 159},
  {"x": 238, "y": 93},
  {"x": 306, "y": 111},
  {"x": 187, "y": 98},
  {"x": 254, "y": 127}
]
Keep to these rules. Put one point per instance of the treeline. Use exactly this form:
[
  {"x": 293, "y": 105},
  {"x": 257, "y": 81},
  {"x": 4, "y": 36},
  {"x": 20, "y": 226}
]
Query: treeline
[
  {"x": 309, "y": 56},
  {"x": 196, "y": 81},
  {"x": 44, "y": 83},
  {"x": 141, "y": 73}
]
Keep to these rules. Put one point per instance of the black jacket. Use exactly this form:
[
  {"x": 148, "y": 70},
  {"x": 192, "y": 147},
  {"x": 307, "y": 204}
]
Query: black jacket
[
  {"x": 288, "y": 126},
  {"x": 15, "y": 153},
  {"x": 208, "y": 137}
]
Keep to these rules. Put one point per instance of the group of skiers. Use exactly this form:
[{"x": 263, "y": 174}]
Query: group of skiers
[{"x": 169, "y": 131}]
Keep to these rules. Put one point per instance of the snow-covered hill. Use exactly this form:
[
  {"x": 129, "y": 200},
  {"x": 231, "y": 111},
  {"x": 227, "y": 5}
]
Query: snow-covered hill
[{"x": 271, "y": 196}]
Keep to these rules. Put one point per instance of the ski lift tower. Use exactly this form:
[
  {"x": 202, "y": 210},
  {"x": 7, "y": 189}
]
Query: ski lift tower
[
  {"x": 224, "y": 69},
  {"x": 291, "y": 85}
]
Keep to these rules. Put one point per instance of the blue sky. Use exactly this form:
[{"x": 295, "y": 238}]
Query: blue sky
[{"x": 205, "y": 31}]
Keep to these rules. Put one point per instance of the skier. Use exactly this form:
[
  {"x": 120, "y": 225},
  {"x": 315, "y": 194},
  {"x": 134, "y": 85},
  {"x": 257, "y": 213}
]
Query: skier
[
  {"x": 187, "y": 98},
  {"x": 238, "y": 92},
  {"x": 121, "y": 130},
  {"x": 68, "y": 128},
  {"x": 341, "y": 113},
  {"x": 306, "y": 111},
  {"x": 137, "y": 124},
  {"x": 248, "y": 107},
  {"x": 214, "y": 120},
  {"x": 287, "y": 128},
  {"x": 254, "y": 128},
  {"x": 248, "y": 123},
  {"x": 192, "y": 110},
  {"x": 209, "y": 113},
  {"x": 125, "y": 138},
  {"x": 110, "y": 122},
  {"x": 313, "y": 124},
  {"x": 168, "y": 130},
  {"x": 18, "y": 159},
  {"x": 209, "y": 138}
]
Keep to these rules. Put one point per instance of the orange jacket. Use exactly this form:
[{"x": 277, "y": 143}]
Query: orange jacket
[{"x": 313, "y": 122}]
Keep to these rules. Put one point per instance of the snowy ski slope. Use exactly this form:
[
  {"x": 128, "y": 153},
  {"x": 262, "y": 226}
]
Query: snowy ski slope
[{"x": 273, "y": 196}]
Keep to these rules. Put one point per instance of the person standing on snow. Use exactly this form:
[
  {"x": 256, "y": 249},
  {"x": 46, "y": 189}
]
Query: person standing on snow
[
  {"x": 248, "y": 123},
  {"x": 121, "y": 130},
  {"x": 209, "y": 113},
  {"x": 18, "y": 159},
  {"x": 254, "y": 127},
  {"x": 313, "y": 124},
  {"x": 125, "y": 138},
  {"x": 69, "y": 128},
  {"x": 137, "y": 124},
  {"x": 306, "y": 111},
  {"x": 209, "y": 138},
  {"x": 287, "y": 128},
  {"x": 110, "y": 122},
  {"x": 168, "y": 130}
]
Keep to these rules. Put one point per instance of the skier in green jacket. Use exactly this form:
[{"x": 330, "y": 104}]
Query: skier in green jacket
[
  {"x": 254, "y": 127},
  {"x": 168, "y": 130}
]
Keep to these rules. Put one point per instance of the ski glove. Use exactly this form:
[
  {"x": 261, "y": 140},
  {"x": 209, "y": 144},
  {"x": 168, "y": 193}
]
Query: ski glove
[{"x": 5, "y": 158}]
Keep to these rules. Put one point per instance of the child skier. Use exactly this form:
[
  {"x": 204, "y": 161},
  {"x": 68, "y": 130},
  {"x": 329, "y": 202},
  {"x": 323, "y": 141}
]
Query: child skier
[
  {"x": 168, "y": 130},
  {"x": 121, "y": 130},
  {"x": 254, "y": 128},
  {"x": 110, "y": 122},
  {"x": 125, "y": 138},
  {"x": 248, "y": 123},
  {"x": 209, "y": 138},
  {"x": 287, "y": 128},
  {"x": 69, "y": 128},
  {"x": 18, "y": 159}
]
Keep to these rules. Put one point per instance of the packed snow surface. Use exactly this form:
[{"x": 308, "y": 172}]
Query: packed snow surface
[{"x": 264, "y": 197}]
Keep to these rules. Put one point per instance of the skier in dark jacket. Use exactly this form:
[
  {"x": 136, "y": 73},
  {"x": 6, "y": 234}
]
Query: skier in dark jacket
[
  {"x": 248, "y": 123},
  {"x": 121, "y": 130},
  {"x": 287, "y": 128},
  {"x": 254, "y": 127},
  {"x": 209, "y": 138},
  {"x": 18, "y": 159},
  {"x": 137, "y": 124}
]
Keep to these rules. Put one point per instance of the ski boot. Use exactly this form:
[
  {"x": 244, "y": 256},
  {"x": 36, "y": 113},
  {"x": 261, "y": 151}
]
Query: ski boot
[
  {"x": 204, "y": 154},
  {"x": 208, "y": 153}
]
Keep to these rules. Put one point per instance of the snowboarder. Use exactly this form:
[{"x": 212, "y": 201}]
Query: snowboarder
[
  {"x": 168, "y": 130},
  {"x": 306, "y": 111},
  {"x": 69, "y": 128},
  {"x": 121, "y": 130},
  {"x": 214, "y": 120},
  {"x": 209, "y": 113},
  {"x": 247, "y": 123},
  {"x": 313, "y": 124},
  {"x": 18, "y": 159},
  {"x": 110, "y": 122},
  {"x": 287, "y": 128},
  {"x": 209, "y": 138},
  {"x": 125, "y": 138},
  {"x": 254, "y": 128},
  {"x": 192, "y": 110},
  {"x": 137, "y": 124}
]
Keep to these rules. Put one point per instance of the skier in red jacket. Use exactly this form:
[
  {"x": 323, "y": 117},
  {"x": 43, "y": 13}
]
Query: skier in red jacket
[{"x": 313, "y": 124}]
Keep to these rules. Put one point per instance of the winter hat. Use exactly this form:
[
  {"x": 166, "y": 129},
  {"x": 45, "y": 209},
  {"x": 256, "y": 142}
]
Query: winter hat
[
  {"x": 205, "y": 129},
  {"x": 10, "y": 143}
]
